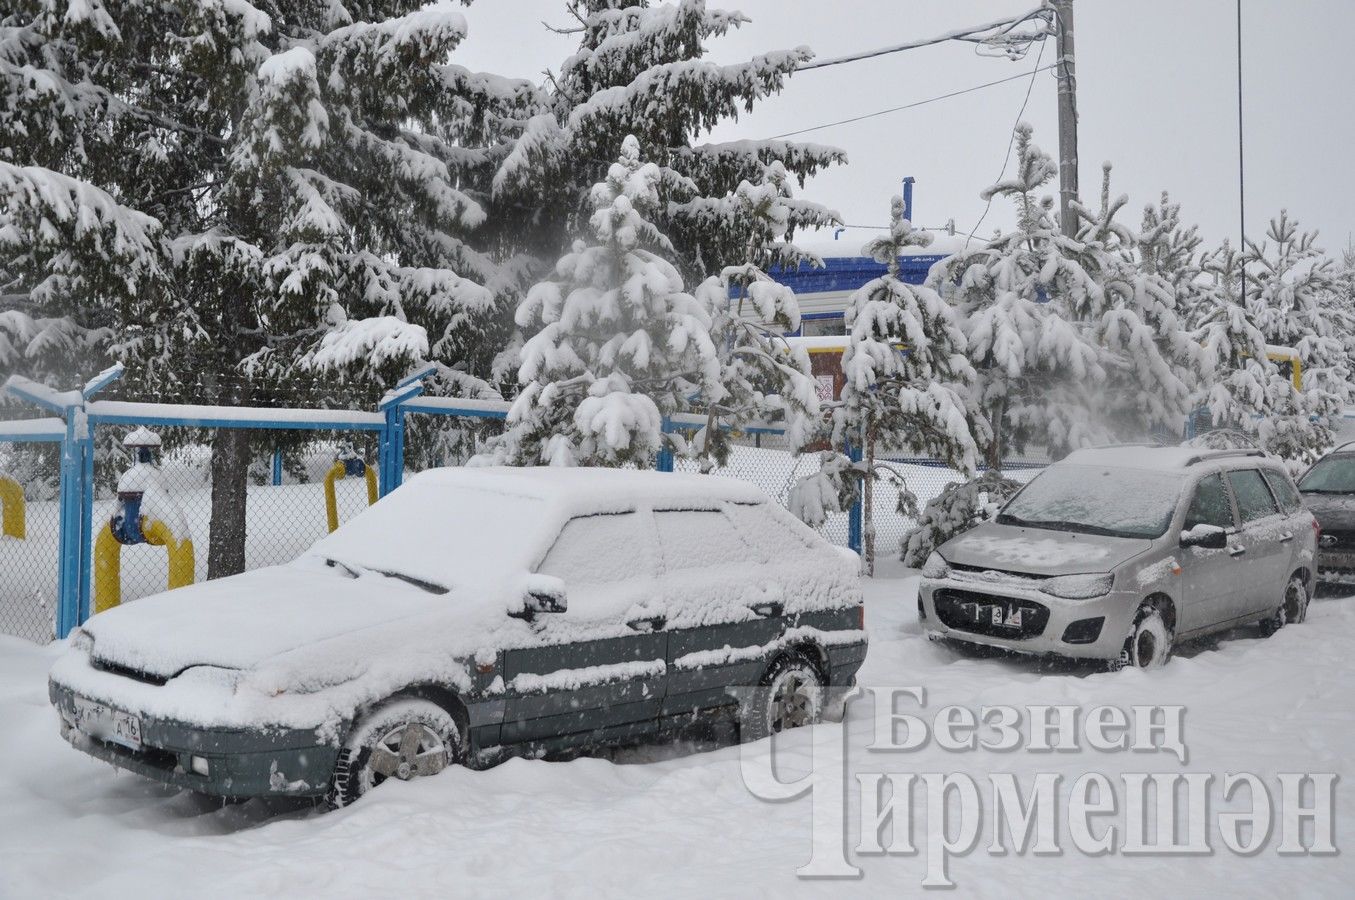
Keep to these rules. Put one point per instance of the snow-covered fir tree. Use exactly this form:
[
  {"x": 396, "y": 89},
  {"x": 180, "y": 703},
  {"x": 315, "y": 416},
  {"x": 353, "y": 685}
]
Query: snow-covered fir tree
[
  {"x": 1292, "y": 292},
  {"x": 763, "y": 377},
  {"x": 1040, "y": 371},
  {"x": 641, "y": 69},
  {"x": 616, "y": 344},
  {"x": 959, "y": 507},
  {"x": 908, "y": 386},
  {"x": 1247, "y": 391},
  {"x": 208, "y": 189}
]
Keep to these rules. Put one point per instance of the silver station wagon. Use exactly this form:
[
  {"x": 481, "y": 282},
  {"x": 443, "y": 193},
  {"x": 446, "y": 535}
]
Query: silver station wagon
[
  {"x": 1119, "y": 553},
  {"x": 470, "y": 615}
]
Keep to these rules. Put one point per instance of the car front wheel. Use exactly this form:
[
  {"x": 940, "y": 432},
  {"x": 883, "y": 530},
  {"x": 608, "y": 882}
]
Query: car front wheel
[
  {"x": 1150, "y": 643},
  {"x": 404, "y": 739}
]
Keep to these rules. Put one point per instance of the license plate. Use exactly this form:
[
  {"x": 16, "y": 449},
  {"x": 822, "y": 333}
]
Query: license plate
[
  {"x": 994, "y": 614},
  {"x": 107, "y": 724}
]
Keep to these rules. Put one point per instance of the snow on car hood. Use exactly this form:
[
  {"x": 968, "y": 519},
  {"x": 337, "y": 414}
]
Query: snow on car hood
[
  {"x": 238, "y": 622},
  {"x": 1039, "y": 551}
]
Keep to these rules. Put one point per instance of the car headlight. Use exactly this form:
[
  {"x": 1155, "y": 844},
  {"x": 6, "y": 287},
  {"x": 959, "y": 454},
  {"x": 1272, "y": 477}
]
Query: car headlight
[
  {"x": 82, "y": 640},
  {"x": 935, "y": 566},
  {"x": 1079, "y": 587}
]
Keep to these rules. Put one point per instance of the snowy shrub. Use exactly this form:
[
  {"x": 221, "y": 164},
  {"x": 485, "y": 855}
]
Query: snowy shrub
[{"x": 959, "y": 507}]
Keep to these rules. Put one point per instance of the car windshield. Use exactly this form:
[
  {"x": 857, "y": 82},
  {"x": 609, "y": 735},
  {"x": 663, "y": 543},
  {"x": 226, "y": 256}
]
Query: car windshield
[
  {"x": 1333, "y": 475},
  {"x": 436, "y": 536},
  {"x": 1097, "y": 500}
]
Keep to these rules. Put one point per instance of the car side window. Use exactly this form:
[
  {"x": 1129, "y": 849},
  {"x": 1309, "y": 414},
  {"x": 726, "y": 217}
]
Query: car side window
[
  {"x": 690, "y": 538},
  {"x": 1210, "y": 505},
  {"x": 1283, "y": 488},
  {"x": 597, "y": 550},
  {"x": 1254, "y": 500}
]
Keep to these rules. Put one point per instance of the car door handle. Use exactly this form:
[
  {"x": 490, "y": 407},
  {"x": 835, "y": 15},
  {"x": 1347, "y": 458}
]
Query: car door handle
[
  {"x": 1236, "y": 551},
  {"x": 651, "y": 623},
  {"x": 768, "y": 610},
  {"x": 1286, "y": 538}
]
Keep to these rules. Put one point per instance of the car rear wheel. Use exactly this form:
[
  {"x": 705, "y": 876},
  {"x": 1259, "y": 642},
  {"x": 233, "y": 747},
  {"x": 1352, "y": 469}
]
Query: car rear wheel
[
  {"x": 1150, "y": 643},
  {"x": 1293, "y": 609},
  {"x": 404, "y": 739},
  {"x": 791, "y": 695}
]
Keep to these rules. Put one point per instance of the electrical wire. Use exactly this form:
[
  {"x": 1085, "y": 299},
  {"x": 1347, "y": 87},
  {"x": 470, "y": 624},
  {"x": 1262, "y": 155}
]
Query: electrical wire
[
  {"x": 894, "y": 109},
  {"x": 1011, "y": 141},
  {"x": 972, "y": 34}
]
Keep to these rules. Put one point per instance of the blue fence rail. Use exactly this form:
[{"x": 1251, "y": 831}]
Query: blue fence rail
[{"x": 75, "y": 415}]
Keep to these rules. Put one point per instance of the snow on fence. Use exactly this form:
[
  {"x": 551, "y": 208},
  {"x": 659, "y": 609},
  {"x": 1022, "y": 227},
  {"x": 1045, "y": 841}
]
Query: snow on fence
[{"x": 83, "y": 472}]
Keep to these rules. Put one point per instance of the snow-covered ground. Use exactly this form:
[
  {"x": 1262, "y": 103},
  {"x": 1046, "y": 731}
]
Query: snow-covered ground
[{"x": 678, "y": 821}]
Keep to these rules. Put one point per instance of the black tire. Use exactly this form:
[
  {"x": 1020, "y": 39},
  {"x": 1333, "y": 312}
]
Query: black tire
[
  {"x": 1150, "y": 641},
  {"x": 404, "y": 738},
  {"x": 790, "y": 694},
  {"x": 1293, "y": 609}
]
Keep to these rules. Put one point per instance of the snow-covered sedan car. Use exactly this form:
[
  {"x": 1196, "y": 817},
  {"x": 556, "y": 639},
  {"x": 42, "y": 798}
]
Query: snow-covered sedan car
[
  {"x": 470, "y": 615},
  {"x": 1118, "y": 553}
]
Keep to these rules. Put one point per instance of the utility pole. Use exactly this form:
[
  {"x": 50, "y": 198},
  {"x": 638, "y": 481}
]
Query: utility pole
[{"x": 1067, "y": 75}]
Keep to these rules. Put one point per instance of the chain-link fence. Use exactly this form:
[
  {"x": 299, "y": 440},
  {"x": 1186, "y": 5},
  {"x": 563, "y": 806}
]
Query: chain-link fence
[
  {"x": 30, "y": 522},
  {"x": 285, "y": 478}
]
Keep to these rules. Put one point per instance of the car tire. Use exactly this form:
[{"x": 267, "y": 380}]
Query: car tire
[
  {"x": 790, "y": 695},
  {"x": 1293, "y": 608},
  {"x": 1150, "y": 641},
  {"x": 403, "y": 738}
]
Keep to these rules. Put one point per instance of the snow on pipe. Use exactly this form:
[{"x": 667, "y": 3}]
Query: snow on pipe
[
  {"x": 108, "y": 561},
  {"x": 12, "y": 511},
  {"x": 346, "y": 466}
]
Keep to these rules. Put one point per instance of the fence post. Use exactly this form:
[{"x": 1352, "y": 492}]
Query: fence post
[
  {"x": 277, "y": 466},
  {"x": 68, "y": 542},
  {"x": 665, "y": 461},
  {"x": 86, "y": 520},
  {"x": 855, "y": 515},
  {"x": 391, "y": 446}
]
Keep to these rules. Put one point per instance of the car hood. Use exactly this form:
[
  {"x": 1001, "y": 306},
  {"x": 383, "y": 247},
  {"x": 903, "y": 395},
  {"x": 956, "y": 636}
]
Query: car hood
[
  {"x": 241, "y": 621},
  {"x": 1335, "y": 512},
  {"x": 1039, "y": 551}
]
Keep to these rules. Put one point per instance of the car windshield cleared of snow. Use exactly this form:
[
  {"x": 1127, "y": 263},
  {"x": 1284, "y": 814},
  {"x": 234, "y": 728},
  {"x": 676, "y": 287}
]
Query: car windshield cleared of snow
[
  {"x": 1333, "y": 475},
  {"x": 1097, "y": 500}
]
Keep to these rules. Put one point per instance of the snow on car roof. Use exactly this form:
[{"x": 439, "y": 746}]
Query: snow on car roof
[
  {"x": 583, "y": 490},
  {"x": 1158, "y": 458}
]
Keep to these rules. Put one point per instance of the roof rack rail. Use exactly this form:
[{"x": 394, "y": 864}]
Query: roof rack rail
[{"x": 1223, "y": 454}]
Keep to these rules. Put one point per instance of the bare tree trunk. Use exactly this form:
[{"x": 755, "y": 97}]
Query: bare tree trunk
[
  {"x": 230, "y": 481},
  {"x": 868, "y": 502},
  {"x": 996, "y": 450}
]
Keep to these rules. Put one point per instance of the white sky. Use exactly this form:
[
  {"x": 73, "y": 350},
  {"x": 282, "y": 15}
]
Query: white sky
[{"x": 1157, "y": 96}]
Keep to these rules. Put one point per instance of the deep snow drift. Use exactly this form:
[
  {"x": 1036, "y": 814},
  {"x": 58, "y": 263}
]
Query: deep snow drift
[{"x": 672, "y": 821}]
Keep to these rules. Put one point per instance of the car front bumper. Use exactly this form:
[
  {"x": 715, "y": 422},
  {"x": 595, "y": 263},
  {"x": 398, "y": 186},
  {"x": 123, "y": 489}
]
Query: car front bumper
[
  {"x": 1081, "y": 629},
  {"x": 240, "y": 763}
]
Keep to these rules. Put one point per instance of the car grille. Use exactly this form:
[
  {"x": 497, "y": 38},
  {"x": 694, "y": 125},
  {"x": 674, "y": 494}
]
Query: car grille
[
  {"x": 113, "y": 668},
  {"x": 985, "y": 570},
  {"x": 991, "y": 615}
]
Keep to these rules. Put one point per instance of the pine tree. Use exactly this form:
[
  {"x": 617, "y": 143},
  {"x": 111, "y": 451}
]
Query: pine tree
[
  {"x": 1292, "y": 292},
  {"x": 763, "y": 377},
  {"x": 207, "y": 189},
  {"x": 908, "y": 384},
  {"x": 1040, "y": 370},
  {"x": 640, "y": 70},
  {"x": 617, "y": 343},
  {"x": 1247, "y": 391}
]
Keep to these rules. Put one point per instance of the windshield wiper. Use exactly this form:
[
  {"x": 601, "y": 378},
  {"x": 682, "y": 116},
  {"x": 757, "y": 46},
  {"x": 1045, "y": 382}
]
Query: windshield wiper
[
  {"x": 429, "y": 586},
  {"x": 358, "y": 571},
  {"x": 1063, "y": 525}
]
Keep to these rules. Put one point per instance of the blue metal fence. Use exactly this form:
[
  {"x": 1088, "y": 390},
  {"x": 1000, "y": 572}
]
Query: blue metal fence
[{"x": 77, "y": 414}]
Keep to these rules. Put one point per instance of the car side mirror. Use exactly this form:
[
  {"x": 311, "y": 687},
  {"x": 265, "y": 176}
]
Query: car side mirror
[
  {"x": 1208, "y": 537},
  {"x": 537, "y": 602},
  {"x": 542, "y": 594}
]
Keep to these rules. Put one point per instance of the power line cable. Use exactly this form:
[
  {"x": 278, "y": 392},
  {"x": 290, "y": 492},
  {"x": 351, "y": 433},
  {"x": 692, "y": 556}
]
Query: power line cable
[
  {"x": 917, "y": 103},
  {"x": 1011, "y": 141},
  {"x": 974, "y": 34}
]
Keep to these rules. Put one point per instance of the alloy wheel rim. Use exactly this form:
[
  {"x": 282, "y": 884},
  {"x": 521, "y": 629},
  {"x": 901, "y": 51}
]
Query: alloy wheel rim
[
  {"x": 792, "y": 703},
  {"x": 409, "y": 750}
]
